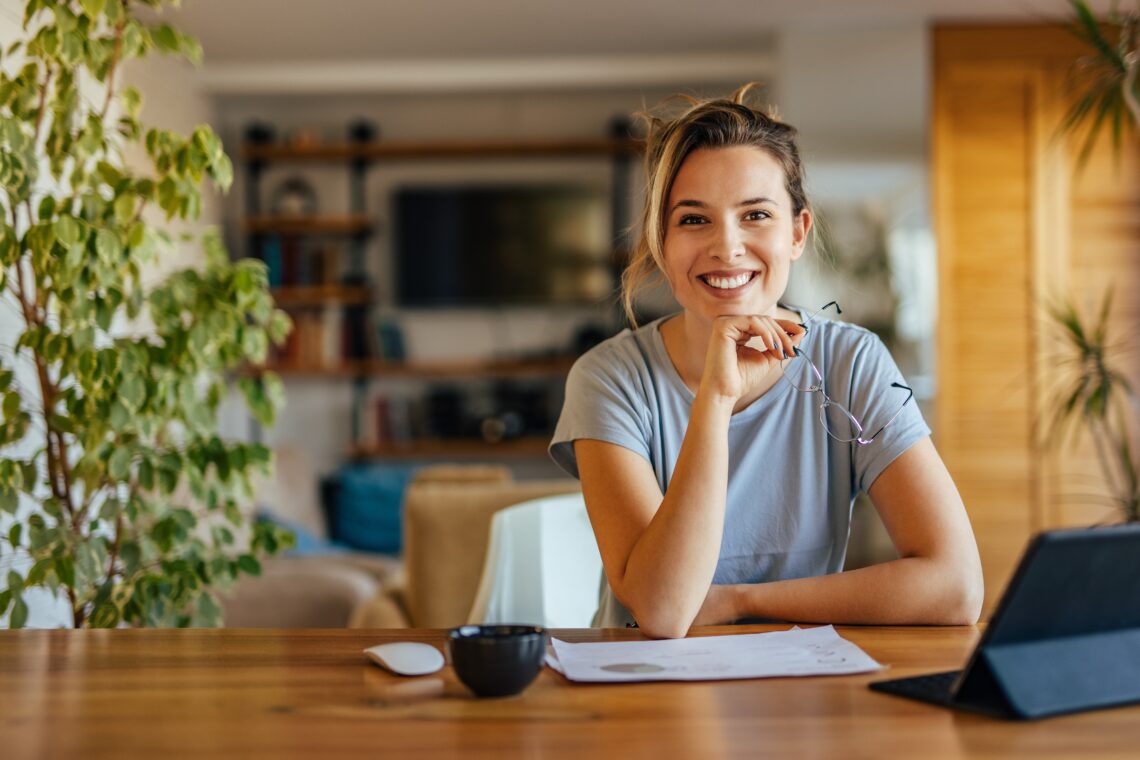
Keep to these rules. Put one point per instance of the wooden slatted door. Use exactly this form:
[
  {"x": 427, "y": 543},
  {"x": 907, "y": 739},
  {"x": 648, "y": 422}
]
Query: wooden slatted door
[{"x": 1017, "y": 230}]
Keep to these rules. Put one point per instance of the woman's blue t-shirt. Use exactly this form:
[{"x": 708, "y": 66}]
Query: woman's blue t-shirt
[{"x": 791, "y": 486}]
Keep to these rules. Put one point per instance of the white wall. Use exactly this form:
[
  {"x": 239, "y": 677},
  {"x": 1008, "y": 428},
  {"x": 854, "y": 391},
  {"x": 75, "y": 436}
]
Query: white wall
[
  {"x": 173, "y": 100},
  {"x": 860, "y": 96},
  {"x": 856, "y": 92}
]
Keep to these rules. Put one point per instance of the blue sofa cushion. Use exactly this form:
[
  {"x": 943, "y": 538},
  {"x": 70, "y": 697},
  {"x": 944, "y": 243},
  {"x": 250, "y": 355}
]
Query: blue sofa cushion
[{"x": 368, "y": 503}]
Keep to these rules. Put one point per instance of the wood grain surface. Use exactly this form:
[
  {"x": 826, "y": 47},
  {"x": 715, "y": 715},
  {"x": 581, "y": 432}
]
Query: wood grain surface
[{"x": 280, "y": 694}]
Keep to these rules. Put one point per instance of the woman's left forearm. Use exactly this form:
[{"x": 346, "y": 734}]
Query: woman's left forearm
[
  {"x": 936, "y": 581},
  {"x": 907, "y": 591}
]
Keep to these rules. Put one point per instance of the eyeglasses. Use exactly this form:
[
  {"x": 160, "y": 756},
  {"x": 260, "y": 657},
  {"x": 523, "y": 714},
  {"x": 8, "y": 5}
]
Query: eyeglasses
[{"x": 801, "y": 373}]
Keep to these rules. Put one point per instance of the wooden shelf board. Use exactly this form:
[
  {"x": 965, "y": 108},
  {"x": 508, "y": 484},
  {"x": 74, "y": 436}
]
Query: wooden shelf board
[
  {"x": 331, "y": 152},
  {"x": 319, "y": 295},
  {"x": 602, "y": 147},
  {"x": 466, "y": 370},
  {"x": 349, "y": 224},
  {"x": 428, "y": 149},
  {"x": 531, "y": 446},
  {"x": 473, "y": 368},
  {"x": 332, "y": 371}
]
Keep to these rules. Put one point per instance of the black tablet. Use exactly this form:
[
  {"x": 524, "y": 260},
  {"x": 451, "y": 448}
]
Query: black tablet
[{"x": 1065, "y": 636}]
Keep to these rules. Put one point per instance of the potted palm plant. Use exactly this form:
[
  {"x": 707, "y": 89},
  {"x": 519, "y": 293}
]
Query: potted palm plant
[
  {"x": 116, "y": 492},
  {"x": 1108, "y": 92},
  {"x": 1096, "y": 396}
]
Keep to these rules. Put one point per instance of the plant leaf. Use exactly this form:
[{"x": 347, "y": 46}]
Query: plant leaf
[
  {"x": 19, "y": 616},
  {"x": 249, "y": 564},
  {"x": 119, "y": 466},
  {"x": 1087, "y": 28},
  {"x": 9, "y": 500},
  {"x": 93, "y": 8}
]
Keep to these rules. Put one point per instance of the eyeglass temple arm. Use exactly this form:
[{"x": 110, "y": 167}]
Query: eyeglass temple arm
[
  {"x": 910, "y": 395},
  {"x": 817, "y": 311}
]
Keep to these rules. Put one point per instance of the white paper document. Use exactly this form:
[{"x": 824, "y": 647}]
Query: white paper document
[{"x": 796, "y": 652}]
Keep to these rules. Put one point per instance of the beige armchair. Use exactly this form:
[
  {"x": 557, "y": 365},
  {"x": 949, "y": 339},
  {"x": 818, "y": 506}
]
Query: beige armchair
[{"x": 447, "y": 520}]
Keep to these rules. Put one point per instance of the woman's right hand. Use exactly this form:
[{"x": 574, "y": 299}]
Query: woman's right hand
[{"x": 743, "y": 350}]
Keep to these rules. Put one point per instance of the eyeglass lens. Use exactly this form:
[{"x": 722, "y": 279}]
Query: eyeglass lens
[
  {"x": 839, "y": 423},
  {"x": 803, "y": 375}
]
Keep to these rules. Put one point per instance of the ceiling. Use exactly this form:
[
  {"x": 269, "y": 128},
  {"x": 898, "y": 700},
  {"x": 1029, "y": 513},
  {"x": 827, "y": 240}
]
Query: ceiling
[{"x": 235, "y": 32}]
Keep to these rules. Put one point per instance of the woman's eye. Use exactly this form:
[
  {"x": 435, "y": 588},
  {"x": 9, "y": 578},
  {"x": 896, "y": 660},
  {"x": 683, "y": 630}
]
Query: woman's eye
[
  {"x": 691, "y": 219},
  {"x": 757, "y": 215}
]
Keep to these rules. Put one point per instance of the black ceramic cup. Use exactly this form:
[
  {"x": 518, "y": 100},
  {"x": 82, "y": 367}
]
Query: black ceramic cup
[{"x": 497, "y": 660}]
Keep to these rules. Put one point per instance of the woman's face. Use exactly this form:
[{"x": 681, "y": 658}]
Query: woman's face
[{"x": 730, "y": 233}]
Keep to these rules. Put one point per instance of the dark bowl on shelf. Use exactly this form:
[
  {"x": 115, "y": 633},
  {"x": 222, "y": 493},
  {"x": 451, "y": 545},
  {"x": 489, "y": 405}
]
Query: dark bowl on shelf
[{"x": 497, "y": 660}]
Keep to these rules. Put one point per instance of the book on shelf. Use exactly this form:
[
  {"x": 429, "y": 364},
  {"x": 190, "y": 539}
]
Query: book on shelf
[
  {"x": 311, "y": 337},
  {"x": 271, "y": 255},
  {"x": 332, "y": 321},
  {"x": 315, "y": 341},
  {"x": 389, "y": 340},
  {"x": 316, "y": 266},
  {"x": 386, "y": 419},
  {"x": 292, "y": 261}
]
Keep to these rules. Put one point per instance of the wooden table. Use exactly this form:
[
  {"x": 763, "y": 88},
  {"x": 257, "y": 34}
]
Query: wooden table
[{"x": 271, "y": 693}]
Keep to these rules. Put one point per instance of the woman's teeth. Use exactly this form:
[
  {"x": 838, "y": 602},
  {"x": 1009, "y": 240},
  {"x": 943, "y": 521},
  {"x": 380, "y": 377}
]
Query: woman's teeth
[{"x": 728, "y": 283}]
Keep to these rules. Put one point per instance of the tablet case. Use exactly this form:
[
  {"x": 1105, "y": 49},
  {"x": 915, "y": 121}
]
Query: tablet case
[{"x": 1066, "y": 634}]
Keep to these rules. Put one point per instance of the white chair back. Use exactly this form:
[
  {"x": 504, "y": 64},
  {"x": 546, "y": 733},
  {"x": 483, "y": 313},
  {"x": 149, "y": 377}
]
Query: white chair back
[{"x": 542, "y": 566}]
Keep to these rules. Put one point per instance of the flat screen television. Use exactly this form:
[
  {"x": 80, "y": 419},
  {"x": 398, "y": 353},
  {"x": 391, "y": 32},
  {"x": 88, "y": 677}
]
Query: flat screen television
[{"x": 496, "y": 245}]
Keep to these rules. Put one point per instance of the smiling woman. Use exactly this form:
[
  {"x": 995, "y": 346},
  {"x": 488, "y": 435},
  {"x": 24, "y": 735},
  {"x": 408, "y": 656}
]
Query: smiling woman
[
  {"x": 714, "y": 491},
  {"x": 705, "y": 212}
]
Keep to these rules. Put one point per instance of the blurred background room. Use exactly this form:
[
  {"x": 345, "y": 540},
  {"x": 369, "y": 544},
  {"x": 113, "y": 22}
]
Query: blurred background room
[{"x": 443, "y": 191}]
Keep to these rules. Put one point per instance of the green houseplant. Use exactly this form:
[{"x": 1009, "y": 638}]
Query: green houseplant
[
  {"x": 1108, "y": 90},
  {"x": 1095, "y": 396},
  {"x": 123, "y": 498}
]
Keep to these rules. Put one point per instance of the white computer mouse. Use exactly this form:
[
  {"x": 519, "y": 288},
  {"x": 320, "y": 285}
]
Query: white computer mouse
[{"x": 406, "y": 658}]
